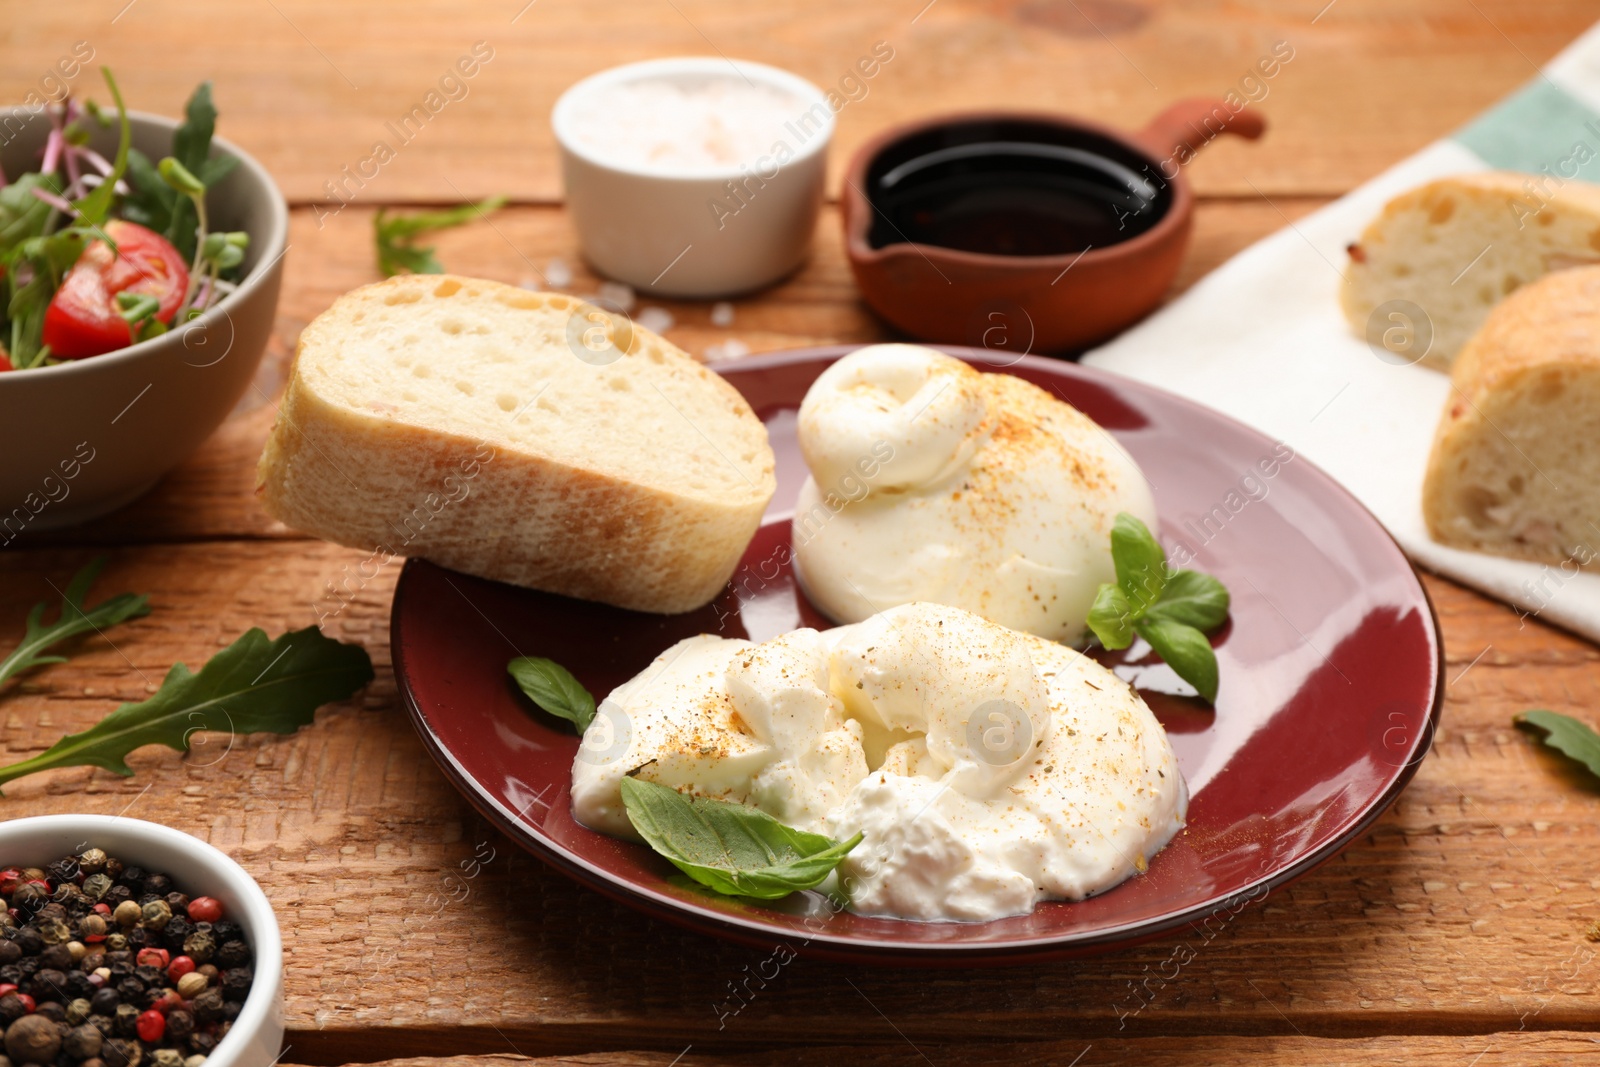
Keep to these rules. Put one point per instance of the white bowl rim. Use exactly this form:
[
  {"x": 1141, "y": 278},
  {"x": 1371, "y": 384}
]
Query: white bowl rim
[
  {"x": 272, "y": 252},
  {"x": 210, "y": 863},
  {"x": 716, "y": 66}
]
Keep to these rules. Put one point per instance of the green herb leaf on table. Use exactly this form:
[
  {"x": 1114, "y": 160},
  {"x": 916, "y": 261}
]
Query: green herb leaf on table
[
  {"x": 1172, "y": 610},
  {"x": 395, "y": 235},
  {"x": 730, "y": 848},
  {"x": 553, "y": 688},
  {"x": 1566, "y": 735},
  {"x": 255, "y": 685},
  {"x": 73, "y": 619}
]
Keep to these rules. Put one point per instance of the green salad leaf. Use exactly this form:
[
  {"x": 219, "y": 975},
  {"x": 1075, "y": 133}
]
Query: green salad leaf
[
  {"x": 732, "y": 849},
  {"x": 154, "y": 204},
  {"x": 553, "y": 688},
  {"x": 74, "y": 619},
  {"x": 1171, "y": 609},
  {"x": 1569, "y": 736},
  {"x": 94, "y": 208},
  {"x": 255, "y": 685},
  {"x": 395, "y": 235}
]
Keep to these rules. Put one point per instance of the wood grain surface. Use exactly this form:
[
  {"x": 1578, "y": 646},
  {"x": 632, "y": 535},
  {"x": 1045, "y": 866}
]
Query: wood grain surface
[{"x": 1453, "y": 933}]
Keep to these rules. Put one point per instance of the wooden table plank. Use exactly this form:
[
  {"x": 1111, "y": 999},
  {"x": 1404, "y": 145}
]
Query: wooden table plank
[
  {"x": 211, "y": 494},
  {"x": 1463, "y": 911},
  {"x": 310, "y": 86}
]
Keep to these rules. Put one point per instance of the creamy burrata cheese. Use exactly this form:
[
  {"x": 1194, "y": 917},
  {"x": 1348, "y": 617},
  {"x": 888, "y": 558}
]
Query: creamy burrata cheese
[
  {"x": 931, "y": 481},
  {"x": 986, "y": 769}
]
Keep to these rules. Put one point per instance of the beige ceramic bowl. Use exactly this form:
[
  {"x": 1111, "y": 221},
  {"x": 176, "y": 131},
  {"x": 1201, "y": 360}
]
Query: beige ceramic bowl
[{"x": 84, "y": 438}]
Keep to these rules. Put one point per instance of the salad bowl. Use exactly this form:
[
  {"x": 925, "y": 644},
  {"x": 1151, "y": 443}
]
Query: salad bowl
[{"x": 83, "y": 438}]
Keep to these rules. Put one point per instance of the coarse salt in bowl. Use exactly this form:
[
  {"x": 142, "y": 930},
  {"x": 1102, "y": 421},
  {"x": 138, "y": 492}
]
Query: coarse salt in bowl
[{"x": 698, "y": 176}]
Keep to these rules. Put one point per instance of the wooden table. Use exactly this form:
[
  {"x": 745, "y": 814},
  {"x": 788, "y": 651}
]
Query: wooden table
[{"x": 1453, "y": 933}]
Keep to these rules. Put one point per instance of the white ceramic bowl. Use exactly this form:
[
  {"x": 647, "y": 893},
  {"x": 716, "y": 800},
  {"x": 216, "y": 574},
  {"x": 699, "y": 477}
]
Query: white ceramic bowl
[
  {"x": 257, "y": 1035},
  {"x": 656, "y": 228}
]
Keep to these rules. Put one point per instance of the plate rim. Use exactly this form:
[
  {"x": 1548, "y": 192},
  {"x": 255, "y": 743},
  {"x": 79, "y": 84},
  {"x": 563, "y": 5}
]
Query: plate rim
[{"x": 879, "y": 951}]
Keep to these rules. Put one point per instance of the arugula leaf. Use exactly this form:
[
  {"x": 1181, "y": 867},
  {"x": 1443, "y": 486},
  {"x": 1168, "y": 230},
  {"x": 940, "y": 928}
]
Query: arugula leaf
[
  {"x": 1140, "y": 562},
  {"x": 732, "y": 849},
  {"x": 553, "y": 688},
  {"x": 1172, "y": 610},
  {"x": 1186, "y": 650},
  {"x": 74, "y": 619},
  {"x": 151, "y": 202},
  {"x": 1193, "y": 599},
  {"x": 395, "y": 235},
  {"x": 1566, "y": 735},
  {"x": 95, "y": 208},
  {"x": 255, "y": 685}
]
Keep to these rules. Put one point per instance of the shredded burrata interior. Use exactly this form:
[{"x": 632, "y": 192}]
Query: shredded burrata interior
[
  {"x": 931, "y": 481},
  {"x": 986, "y": 769}
]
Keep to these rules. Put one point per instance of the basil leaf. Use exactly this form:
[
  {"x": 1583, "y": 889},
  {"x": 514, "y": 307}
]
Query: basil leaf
[
  {"x": 73, "y": 619},
  {"x": 735, "y": 850},
  {"x": 1140, "y": 561},
  {"x": 1192, "y": 598},
  {"x": 1566, "y": 735},
  {"x": 255, "y": 685},
  {"x": 1185, "y": 650},
  {"x": 552, "y": 687},
  {"x": 1111, "y": 617}
]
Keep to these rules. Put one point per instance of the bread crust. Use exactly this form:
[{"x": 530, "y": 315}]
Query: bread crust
[
  {"x": 385, "y": 484},
  {"x": 1533, "y": 363}
]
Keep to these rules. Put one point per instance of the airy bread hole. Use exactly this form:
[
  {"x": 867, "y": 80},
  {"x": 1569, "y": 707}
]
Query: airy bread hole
[
  {"x": 1510, "y": 284},
  {"x": 402, "y": 296},
  {"x": 549, "y": 405},
  {"x": 506, "y": 401},
  {"x": 1594, "y": 239},
  {"x": 422, "y": 370},
  {"x": 1477, "y": 503},
  {"x": 451, "y": 326},
  {"x": 1516, "y": 484},
  {"x": 1549, "y": 388},
  {"x": 620, "y": 384},
  {"x": 450, "y": 287},
  {"x": 1442, "y": 211},
  {"x": 409, "y": 397},
  {"x": 520, "y": 301},
  {"x": 467, "y": 387}
]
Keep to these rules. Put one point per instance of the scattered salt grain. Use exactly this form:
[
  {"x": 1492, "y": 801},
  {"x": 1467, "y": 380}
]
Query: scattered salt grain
[
  {"x": 616, "y": 296},
  {"x": 657, "y": 320},
  {"x": 722, "y": 314},
  {"x": 558, "y": 274},
  {"x": 729, "y": 349}
]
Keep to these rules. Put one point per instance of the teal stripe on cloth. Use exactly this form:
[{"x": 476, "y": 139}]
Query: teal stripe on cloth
[{"x": 1538, "y": 128}]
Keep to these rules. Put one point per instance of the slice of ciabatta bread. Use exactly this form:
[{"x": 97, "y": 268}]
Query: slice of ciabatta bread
[
  {"x": 453, "y": 418},
  {"x": 1515, "y": 469},
  {"x": 1457, "y": 246}
]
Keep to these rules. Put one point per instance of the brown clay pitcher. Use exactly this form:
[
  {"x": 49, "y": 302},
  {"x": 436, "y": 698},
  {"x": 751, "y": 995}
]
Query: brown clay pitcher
[{"x": 1023, "y": 231}]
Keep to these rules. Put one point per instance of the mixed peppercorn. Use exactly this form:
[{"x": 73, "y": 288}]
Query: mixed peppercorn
[{"x": 103, "y": 964}]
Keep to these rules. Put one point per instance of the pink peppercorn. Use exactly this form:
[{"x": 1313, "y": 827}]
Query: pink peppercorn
[
  {"x": 205, "y": 909},
  {"x": 153, "y": 957},
  {"x": 179, "y": 967},
  {"x": 151, "y": 1025}
]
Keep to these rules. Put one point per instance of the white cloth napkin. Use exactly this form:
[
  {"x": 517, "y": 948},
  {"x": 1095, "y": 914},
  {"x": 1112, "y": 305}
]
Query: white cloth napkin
[{"x": 1262, "y": 339}]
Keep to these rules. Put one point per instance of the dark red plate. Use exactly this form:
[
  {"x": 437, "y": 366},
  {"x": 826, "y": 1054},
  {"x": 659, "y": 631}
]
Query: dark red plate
[{"x": 1330, "y": 672}]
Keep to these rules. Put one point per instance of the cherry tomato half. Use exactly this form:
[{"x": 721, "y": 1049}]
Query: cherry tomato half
[{"x": 83, "y": 318}]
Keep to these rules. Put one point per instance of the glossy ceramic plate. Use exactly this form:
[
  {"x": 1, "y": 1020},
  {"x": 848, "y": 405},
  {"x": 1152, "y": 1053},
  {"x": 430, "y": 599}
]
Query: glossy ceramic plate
[{"x": 1330, "y": 670}]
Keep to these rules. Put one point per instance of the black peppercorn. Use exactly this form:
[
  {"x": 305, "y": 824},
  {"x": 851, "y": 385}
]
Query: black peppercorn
[
  {"x": 117, "y": 894},
  {"x": 180, "y": 1024},
  {"x": 34, "y": 1039},
  {"x": 236, "y": 982},
  {"x": 28, "y": 965},
  {"x": 52, "y": 1010},
  {"x": 82, "y": 1042},
  {"x": 130, "y": 989},
  {"x": 29, "y": 941},
  {"x": 133, "y": 878},
  {"x": 48, "y": 984},
  {"x": 201, "y": 1043},
  {"x": 12, "y": 1008},
  {"x": 178, "y": 902},
  {"x": 58, "y": 957},
  {"x": 152, "y": 996},
  {"x": 176, "y": 931},
  {"x": 120, "y": 1052},
  {"x": 231, "y": 1010},
  {"x": 137, "y": 938},
  {"x": 232, "y": 954},
  {"x": 78, "y": 986},
  {"x": 103, "y": 1023},
  {"x": 104, "y": 1001},
  {"x": 207, "y": 1006},
  {"x": 29, "y": 897},
  {"x": 126, "y": 1020},
  {"x": 11, "y": 974},
  {"x": 114, "y": 867},
  {"x": 65, "y": 869},
  {"x": 115, "y": 957},
  {"x": 9, "y": 952},
  {"x": 149, "y": 974},
  {"x": 159, "y": 884},
  {"x": 227, "y": 930}
]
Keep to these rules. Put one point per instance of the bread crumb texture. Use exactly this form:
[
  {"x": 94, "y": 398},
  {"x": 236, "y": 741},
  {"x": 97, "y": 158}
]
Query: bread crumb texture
[
  {"x": 1514, "y": 469},
  {"x": 523, "y": 436}
]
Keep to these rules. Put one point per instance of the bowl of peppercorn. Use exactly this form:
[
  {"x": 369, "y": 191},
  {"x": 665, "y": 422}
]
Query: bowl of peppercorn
[{"x": 128, "y": 944}]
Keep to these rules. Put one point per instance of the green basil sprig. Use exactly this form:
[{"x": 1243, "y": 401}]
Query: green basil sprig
[
  {"x": 1172, "y": 610},
  {"x": 1566, "y": 735},
  {"x": 729, "y": 848},
  {"x": 552, "y": 687}
]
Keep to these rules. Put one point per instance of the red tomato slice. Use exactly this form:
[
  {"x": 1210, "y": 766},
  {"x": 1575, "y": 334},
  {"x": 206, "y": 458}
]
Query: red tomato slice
[{"x": 83, "y": 318}]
